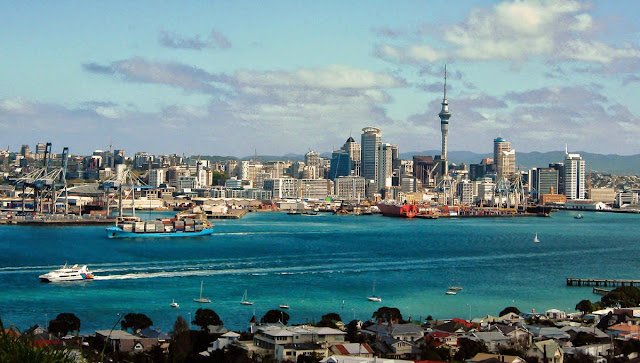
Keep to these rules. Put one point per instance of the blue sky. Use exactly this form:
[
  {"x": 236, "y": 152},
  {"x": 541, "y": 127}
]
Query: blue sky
[{"x": 223, "y": 78}]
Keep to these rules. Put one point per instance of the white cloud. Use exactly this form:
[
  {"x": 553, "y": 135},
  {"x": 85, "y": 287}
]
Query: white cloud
[
  {"x": 517, "y": 31},
  {"x": 17, "y": 105},
  {"x": 109, "y": 112},
  {"x": 414, "y": 54}
]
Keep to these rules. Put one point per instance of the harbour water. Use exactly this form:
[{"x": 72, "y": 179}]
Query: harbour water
[{"x": 317, "y": 265}]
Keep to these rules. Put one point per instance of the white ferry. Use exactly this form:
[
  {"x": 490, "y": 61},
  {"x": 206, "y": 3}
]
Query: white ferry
[{"x": 73, "y": 273}]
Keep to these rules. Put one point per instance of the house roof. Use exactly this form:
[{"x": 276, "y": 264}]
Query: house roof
[
  {"x": 115, "y": 334},
  {"x": 396, "y": 329},
  {"x": 480, "y": 357},
  {"x": 551, "y": 347},
  {"x": 585, "y": 329},
  {"x": 153, "y": 333},
  {"x": 490, "y": 336},
  {"x": 353, "y": 348},
  {"x": 452, "y": 327}
]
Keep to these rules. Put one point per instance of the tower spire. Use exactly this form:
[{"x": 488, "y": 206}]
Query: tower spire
[{"x": 445, "y": 82}]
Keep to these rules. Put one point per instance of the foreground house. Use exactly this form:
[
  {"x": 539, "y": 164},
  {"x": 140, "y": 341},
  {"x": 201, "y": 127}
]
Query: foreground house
[{"x": 123, "y": 341}]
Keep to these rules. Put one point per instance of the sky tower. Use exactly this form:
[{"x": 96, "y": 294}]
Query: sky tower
[{"x": 444, "y": 125}]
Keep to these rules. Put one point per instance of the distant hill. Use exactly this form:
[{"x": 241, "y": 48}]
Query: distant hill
[{"x": 614, "y": 164}]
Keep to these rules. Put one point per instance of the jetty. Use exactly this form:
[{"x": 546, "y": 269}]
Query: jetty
[{"x": 573, "y": 281}]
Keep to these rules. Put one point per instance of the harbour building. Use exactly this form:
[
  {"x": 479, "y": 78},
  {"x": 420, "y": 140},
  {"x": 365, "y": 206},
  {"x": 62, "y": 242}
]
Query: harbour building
[
  {"x": 350, "y": 187},
  {"x": 574, "y": 176},
  {"x": 543, "y": 181}
]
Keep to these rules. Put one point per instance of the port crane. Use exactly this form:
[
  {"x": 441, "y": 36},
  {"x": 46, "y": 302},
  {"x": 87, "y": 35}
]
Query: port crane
[
  {"x": 125, "y": 183},
  {"x": 46, "y": 185}
]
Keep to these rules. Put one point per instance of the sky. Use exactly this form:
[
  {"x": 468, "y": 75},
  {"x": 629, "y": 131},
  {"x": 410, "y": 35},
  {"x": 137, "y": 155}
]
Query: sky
[{"x": 279, "y": 77}]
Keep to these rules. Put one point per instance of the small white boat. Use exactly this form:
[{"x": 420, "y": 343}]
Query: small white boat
[
  {"x": 455, "y": 288},
  {"x": 450, "y": 292},
  {"x": 535, "y": 239},
  {"x": 174, "y": 304},
  {"x": 244, "y": 300},
  {"x": 201, "y": 299},
  {"x": 73, "y": 273},
  {"x": 579, "y": 216},
  {"x": 283, "y": 306},
  {"x": 373, "y": 296}
]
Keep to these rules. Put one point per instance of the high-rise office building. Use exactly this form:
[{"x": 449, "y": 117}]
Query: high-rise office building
[
  {"x": 354, "y": 150},
  {"x": 574, "y": 176},
  {"x": 543, "y": 181},
  {"x": 370, "y": 140},
  {"x": 504, "y": 158},
  {"x": 340, "y": 164},
  {"x": 385, "y": 165}
]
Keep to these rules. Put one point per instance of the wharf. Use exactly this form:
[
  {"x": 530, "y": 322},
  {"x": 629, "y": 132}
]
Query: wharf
[
  {"x": 599, "y": 291},
  {"x": 572, "y": 281},
  {"x": 232, "y": 214},
  {"x": 57, "y": 220}
]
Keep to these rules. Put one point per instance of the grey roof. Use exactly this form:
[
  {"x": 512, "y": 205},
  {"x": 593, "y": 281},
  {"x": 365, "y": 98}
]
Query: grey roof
[
  {"x": 490, "y": 336},
  {"x": 396, "y": 329},
  {"x": 116, "y": 334},
  {"x": 585, "y": 329},
  {"x": 89, "y": 189},
  {"x": 153, "y": 333}
]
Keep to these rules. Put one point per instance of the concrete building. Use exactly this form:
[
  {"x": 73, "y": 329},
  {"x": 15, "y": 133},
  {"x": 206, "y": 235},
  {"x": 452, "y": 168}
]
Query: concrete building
[
  {"x": 574, "y": 176},
  {"x": 504, "y": 158},
  {"x": 156, "y": 177},
  {"x": 315, "y": 188},
  {"x": 350, "y": 187},
  {"x": 606, "y": 195},
  {"x": 281, "y": 188},
  {"x": 385, "y": 165},
  {"x": 464, "y": 192},
  {"x": 444, "y": 126}
]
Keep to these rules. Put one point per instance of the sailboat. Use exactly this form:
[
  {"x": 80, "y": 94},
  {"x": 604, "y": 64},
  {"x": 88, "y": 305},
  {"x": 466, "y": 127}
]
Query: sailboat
[
  {"x": 201, "y": 299},
  {"x": 535, "y": 239},
  {"x": 373, "y": 296},
  {"x": 244, "y": 300},
  {"x": 579, "y": 216},
  {"x": 174, "y": 304}
]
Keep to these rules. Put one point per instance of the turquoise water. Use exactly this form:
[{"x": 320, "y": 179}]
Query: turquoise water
[{"x": 317, "y": 265}]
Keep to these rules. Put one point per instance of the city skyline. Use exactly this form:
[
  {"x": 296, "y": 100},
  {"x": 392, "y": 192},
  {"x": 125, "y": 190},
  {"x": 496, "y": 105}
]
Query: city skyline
[{"x": 288, "y": 77}]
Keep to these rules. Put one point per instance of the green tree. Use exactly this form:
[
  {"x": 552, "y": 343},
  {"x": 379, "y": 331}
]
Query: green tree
[
  {"x": 468, "y": 348},
  {"x": 624, "y": 296},
  {"x": 274, "y": 316},
  {"x": 14, "y": 348},
  {"x": 312, "y": 358},
  {"x": 206, "y": 317},
  {"x": 179, "y": 326},
  {"x": 585, "y": 306},
  {"x": 509, "y": 309},
  {"x": 329, "y": 320},
  {"x": 64, "y": 323},
  {"x": 387, "y": 314},
  {"x": 135, "y": 322}
]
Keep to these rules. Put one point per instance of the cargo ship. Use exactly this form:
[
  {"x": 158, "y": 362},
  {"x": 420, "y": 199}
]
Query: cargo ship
[
  {"x": 182, "y": 225},
  {"x": 398, "y": 210}
]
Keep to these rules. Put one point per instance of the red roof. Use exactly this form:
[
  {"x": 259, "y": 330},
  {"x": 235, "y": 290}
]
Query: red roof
[
  {"x": 439, "y": 334},
  {"x": 462, "y": 321}
]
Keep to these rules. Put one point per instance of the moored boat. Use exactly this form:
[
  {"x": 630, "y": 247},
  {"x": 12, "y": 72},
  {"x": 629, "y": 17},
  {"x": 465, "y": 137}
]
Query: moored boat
[
  {"x": 398, "y": 210},
  {"x": 185, "y": 225},
  {"x": 73, "y": 273}
]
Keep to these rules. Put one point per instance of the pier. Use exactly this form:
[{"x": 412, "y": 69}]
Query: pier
[{"x": 572, "y": 281}]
